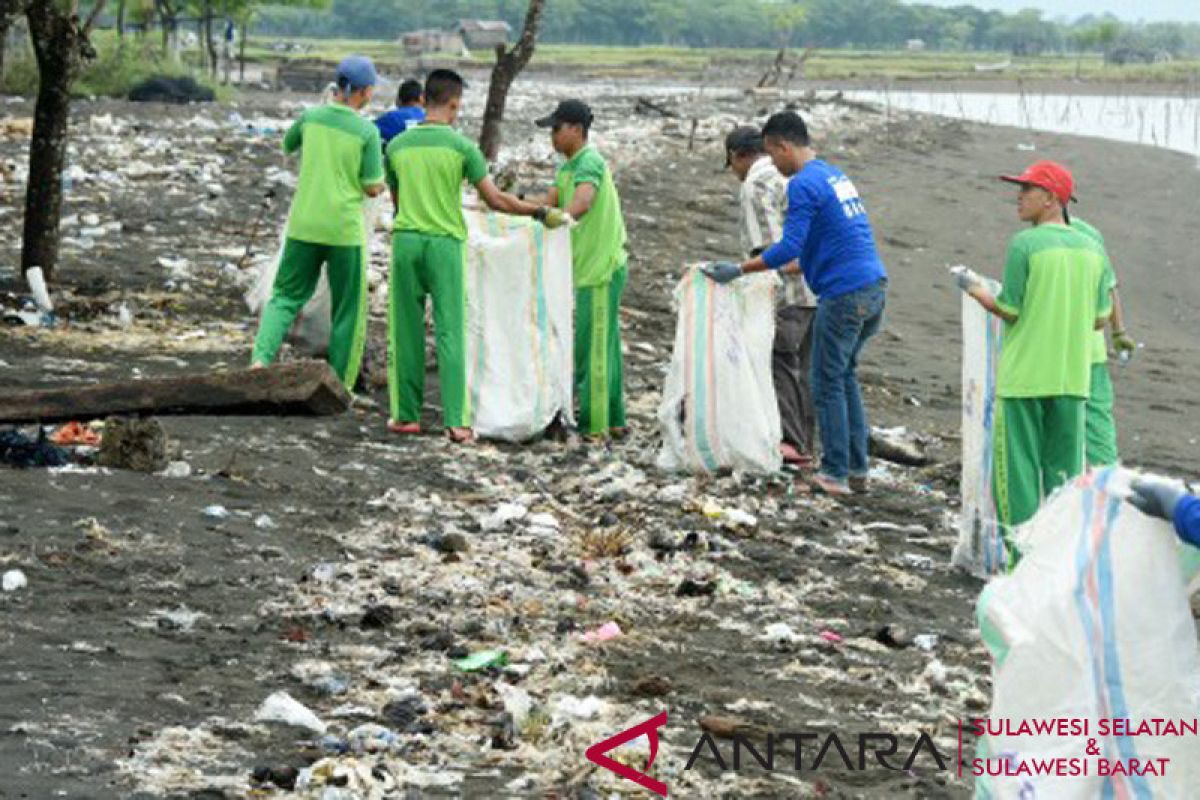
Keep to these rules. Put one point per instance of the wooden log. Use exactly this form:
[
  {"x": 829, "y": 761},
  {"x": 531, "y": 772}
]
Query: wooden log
[{"x": 303, "y": 388}]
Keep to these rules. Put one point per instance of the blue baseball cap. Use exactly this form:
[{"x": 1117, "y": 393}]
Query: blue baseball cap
[{"x": 356, "y": 72}]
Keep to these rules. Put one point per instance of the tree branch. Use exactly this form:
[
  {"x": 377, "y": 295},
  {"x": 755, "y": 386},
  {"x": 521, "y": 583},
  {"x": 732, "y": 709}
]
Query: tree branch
[{"x": 93, "y": 18}]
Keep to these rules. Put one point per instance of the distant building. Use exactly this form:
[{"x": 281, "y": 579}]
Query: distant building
[
  {"x": 430, "y": 42},
  {"x": 484, "y": 34},
  {"x": 916, "y": 45}
]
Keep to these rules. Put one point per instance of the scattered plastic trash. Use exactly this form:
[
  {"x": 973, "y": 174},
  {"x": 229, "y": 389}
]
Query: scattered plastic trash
[
  {"x": 282, "y": 708},
  {"x": 605, "y": 633},
  {"x": 926, "y": 641},
  {"x": 18, "y": 450},
  {"x": 75, "y": 433},
  {"x": 264, "y": 522},
  {"x": 580, "y": 708},
  {"x": 216, "y": 512},
  {"x": 14, "y": 580},
  {"x": 503, "y": 515},
  {"x": 483, "y": 660},
  {"x": 830, "y": 636},
  {"x": 177, "y": 469}
]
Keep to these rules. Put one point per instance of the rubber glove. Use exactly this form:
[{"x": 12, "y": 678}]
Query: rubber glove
[
  {"x": 1123, "y": 344},
  {"x": 1157, "y": 497},
  {"x": 722, "y": 271},
  {"x": 967, "y": 279},
  {"x": 552, "y": 217}
]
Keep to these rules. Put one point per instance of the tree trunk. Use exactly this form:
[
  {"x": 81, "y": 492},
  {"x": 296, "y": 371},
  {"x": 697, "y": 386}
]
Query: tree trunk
[
  {"x": 5, "y": 24},
  {"x": 508, "y": 66},
  {"x": 60, "y": 45},
  {"x": 54, "y": 44},
  {"x": 121, "y": 20},
  {"x": 209, "y": 41},
  {"x": 242, "y": 52}
]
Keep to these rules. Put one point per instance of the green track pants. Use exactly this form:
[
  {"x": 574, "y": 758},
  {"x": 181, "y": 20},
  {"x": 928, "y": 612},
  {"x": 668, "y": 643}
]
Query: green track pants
[
  {"x": 1038, "y": 446},
  {"x": 295, "y": 282},
  {"x": 599, "y": 365},
  {"x": 1101, "y": 426},
  {"x": 424, "y": 265}
]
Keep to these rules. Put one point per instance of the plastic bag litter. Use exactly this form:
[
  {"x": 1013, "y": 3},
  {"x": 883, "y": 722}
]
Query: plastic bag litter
[
  {"x": 719, "y": 408},
  {"x": 13, "y": 580},
  {"x": 281, "y": 707},
  {"x": 980, "y": 549},
  {"x": 520, "y": 301},
  {"x": 1094, "y": 623}
]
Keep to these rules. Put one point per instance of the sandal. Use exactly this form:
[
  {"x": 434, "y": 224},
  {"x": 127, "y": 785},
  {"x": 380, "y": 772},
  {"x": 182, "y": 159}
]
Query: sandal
[
  {"x": 460, "y": 435},
  {"x": 826, "y": 485},
  {"x": 403, "y": 428}
]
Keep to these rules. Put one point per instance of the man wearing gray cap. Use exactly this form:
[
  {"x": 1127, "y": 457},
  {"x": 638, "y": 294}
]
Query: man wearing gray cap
[{"x": 762, "y": 204}]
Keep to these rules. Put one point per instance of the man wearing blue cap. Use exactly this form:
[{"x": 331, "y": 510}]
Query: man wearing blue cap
[{"x": 341, "y": 162}]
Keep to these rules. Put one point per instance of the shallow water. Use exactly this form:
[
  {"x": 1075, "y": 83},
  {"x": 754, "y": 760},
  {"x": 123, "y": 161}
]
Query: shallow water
[{"x": 1169, "y": 122}]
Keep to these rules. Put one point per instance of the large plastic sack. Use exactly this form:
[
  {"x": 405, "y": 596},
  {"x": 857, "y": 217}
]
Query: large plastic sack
[
  {"x": 1093, "y": 624},
  {"x": 719, "y": 409},
  {"x": 309, "y": 334},
  {"x": 980, "y": 549},
  {"x": 520, "y": 322}
]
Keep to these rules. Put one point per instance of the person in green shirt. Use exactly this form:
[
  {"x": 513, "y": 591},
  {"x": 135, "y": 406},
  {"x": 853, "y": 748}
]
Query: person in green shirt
[
  {"x": 426, "y": 166},
  {"x": 340, "y": 163},
  {"x": 584, "y": 189},
  {"x": 1054, "y": 297},
  {"x": 1101, "y": 425}
]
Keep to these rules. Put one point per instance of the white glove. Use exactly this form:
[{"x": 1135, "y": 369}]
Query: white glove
[{"x": 966, "y": 278}]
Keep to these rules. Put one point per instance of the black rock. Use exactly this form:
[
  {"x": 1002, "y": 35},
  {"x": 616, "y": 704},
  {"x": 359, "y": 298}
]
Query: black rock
[
  {"x": 690, "y": 588},
  {"x": 439, "y": 641},
  {"x": 894, "y": 637},
  {"x": 400, "y": 715},
  {"x": 608, "y": 519},
  {"x": 504, "y": 732},
  {"x": 377, "y": 618},
  {"x": 451, "y": 543}
]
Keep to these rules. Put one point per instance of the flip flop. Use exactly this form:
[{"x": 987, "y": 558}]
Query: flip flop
[
  {"x": 828, "y": 486},
  {"x": 460, "y": 435},
  {"x": 403, "y": 428}
]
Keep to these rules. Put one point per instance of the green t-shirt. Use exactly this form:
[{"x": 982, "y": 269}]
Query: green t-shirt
[
  {"x": 340, "y": 156},
  {"x": 1054, "y": 284},
  {"x": 426, "y": 166},
  {"x": 598, "y": 241},
  {"x": 1099, "y": 345}
]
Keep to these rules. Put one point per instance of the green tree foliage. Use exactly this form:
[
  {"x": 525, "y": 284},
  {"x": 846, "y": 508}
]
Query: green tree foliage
[{"x": 877, "y": 24}]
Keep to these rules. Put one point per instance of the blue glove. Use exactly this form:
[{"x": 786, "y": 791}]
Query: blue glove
[
  {"x": 1157, "y": 497},
  {"x": 722, "y": 271}
]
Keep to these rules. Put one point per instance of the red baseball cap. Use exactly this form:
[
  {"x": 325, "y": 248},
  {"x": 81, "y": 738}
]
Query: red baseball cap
[{"x": 1054, "y": 178}]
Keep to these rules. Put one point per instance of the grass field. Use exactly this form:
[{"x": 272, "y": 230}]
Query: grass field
[{"x": 829, "y": 65}]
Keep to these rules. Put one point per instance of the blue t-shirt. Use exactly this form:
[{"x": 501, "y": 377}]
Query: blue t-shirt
[
  {"x": 396, "y": 121},
  {"x": 826, "y": 227},
  {"x": 1187, "y": 520}
]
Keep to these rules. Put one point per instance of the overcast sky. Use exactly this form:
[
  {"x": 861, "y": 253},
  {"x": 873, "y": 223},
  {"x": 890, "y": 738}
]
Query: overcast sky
[{"x": 1149, "y": 10}]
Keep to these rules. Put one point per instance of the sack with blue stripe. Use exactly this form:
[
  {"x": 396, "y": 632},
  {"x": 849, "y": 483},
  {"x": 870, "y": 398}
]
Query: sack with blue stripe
[
  {"x": 719, "y": 409},
  {"x": 519, "y": 326},
  {"x": 1094, "y": 624}
]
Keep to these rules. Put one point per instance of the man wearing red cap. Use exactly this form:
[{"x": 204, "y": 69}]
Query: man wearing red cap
[{"x": 1055, "y": 295}]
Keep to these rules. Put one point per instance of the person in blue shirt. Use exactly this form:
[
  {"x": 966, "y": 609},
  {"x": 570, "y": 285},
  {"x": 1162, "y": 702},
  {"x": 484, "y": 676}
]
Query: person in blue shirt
[
  {"x": 1169, "y": 500},
  {"x": 409, "y": 110},
  {"x": 827, "y": 229}
]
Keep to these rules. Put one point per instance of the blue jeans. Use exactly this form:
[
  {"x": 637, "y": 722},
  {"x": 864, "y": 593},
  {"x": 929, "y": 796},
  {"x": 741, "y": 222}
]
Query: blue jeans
[{"x": 843, "y": 326}]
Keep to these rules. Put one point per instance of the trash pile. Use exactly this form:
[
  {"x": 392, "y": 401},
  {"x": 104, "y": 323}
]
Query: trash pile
[
  {"x": 487, "y": 613},
  {"x": 486, "y": 637}
]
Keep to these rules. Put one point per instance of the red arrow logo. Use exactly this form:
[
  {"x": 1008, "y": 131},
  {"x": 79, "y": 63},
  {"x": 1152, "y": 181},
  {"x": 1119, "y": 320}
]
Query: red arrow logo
[{"x": 649, "y": 728}]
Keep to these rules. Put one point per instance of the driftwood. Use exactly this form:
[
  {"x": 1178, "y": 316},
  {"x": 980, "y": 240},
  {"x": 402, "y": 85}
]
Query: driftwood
[
  {"x": 300, "y": 388},
  {"x": 645, "y": 105}
]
